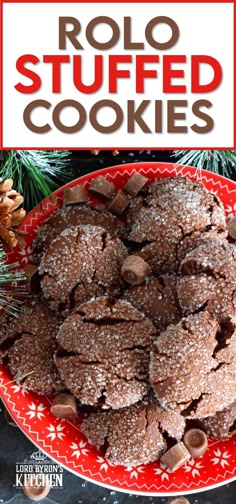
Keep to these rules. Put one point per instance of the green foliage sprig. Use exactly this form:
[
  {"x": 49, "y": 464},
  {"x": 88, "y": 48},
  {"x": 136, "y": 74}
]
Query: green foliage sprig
[
  {"x": 222, "y": 162},
  {"x": 36, "y": 174},
  {"x": 10, "y": 288}
]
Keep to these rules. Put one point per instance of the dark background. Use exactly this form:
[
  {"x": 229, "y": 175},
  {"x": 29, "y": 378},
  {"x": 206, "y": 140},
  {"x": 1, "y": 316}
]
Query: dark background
[
  {"x": 15, "y": 447},
  {"x": 83, "y": 161}
]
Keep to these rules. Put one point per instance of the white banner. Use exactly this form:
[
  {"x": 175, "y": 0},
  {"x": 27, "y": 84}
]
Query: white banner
[{"x": 164, "y": 75}]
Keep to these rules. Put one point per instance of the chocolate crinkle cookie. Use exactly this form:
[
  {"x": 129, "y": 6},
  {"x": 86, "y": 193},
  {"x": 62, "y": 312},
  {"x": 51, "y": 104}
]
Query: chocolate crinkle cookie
[
  {"x": 134, "y": 435},
  {"x": 222, "y": 425},
  {"x": 7, "y": 333},
  {"x": 208, "y": 279},
  {"x": 157, "y": 299},
  {"x": 175, "y": 208},
  {"x": 74, "y": 216},
  {"x": 82, "y": 262},
  {"x": 30, "y": 343},
  {"x": 104, "y": 353},
  {"x": 193, "y": 366}
]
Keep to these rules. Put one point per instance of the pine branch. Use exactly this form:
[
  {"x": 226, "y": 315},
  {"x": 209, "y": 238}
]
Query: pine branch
[
  {"x": 218, "y": 161},
  {"x": 9, "y": 288},
  {"x": 36, "y": 174}
]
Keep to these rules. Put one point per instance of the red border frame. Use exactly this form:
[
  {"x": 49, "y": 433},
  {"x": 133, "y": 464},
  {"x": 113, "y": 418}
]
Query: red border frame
[{"x": 107, "y": 1}]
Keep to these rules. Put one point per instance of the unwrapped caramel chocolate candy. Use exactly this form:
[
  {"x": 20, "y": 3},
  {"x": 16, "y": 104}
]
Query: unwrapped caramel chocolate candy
[
  {"x": 119, "y": 203},
  {"x": 134, "y": 270},
  {"x": 36, "y": 487},
  {"x": 64, "y": 406},
  {"x": 135, "y": 184},
  {"x": 75, "y": 195},
  {"x": 176, "y": 457},
  {"x": 95, "y": 152},
  {"x": 101, "y": 187},
  {"x": 196, "y": 442},
  {"x": 231, "y": 226}
]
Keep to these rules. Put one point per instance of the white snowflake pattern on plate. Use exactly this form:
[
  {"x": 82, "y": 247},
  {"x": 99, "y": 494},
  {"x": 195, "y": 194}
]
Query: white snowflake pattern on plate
[
  {"x": 36, "y": 411},
  {"x": 79, "y": 449},
  {"x": 104, "y": 464},
  {"x": 19, "y": 388},
  {"x": 56, "y": 432},
  {"x": 221, "y": 458},
  {"x": 163, "y": 472},
  {"x": 27, "y": 255},
  {"x": 230, "y": 210},
  {"x": 135, "y": 471},
  {"x": 192, "y": 466}
]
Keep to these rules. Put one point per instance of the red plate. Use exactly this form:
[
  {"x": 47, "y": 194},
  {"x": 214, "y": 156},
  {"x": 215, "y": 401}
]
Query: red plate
[{"x": 62, "y": 440}]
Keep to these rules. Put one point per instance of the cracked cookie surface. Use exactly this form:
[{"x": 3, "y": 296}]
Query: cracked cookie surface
[
  {"x": 208, "y": 279},
  {"x": 157, "y": 298},
  {"x": 104, "y": 356},
  {"x": 193, "y": 366},
  {"x": 74, "y": 216},
  {"x": 134, "y": 435},
  {"x": 80, "y": 263},
  {"x": 173, "y": 209},
  {"x": 222, "y": 425},
  {"x": 31, "y": 342}
]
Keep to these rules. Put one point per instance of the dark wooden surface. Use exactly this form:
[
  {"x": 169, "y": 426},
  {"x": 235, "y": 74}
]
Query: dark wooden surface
[{"x": 14, "y": 446}]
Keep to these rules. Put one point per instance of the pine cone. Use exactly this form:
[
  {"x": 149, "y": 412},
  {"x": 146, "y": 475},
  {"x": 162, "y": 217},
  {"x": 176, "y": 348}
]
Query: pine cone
[{"x": 10, "y": 217}]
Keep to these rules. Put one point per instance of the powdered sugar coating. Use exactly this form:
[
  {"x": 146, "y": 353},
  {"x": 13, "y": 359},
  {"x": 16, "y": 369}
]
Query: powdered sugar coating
[
  {"x": 106, "y": 384},
  {"x": 96, "y": 339},
  {"x": 193, "y": 366},
  {"x": 33, "y": 337},
  {"x": 109, "y": 365},
  {"x": 192, "y": 241},
  {"x": 7, "y": 333},
  {"x": 74, "y": 216},
  {"x": 222, "y": 425},
  {"x": 174, "y": 207},
  {"x": 81, "y": 262},
  {"x": 104, "y": 308},
  {"x": 133, "y": 435},
  {"x": 208, "y": 278},
  {"x": 157, "y": 298}
]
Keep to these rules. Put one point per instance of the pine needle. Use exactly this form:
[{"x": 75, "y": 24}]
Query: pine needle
[
  {"x": 9, "y": 289},
  {"x": 18, "y": 378},
  {"x": 222, "y": 162},
  {"x": 36, "y": 174}
]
